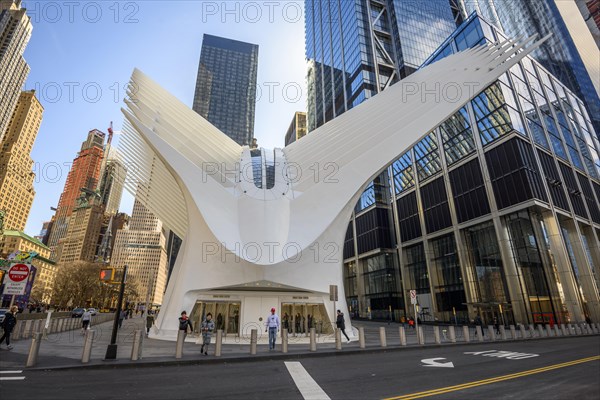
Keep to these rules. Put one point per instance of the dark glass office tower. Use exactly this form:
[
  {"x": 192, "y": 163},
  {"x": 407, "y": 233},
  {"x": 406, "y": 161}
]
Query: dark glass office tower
[
  {"x": 559, "y": 54},
  {"x": 226, "y": 86},
  {"x": 356, "y": 49}
]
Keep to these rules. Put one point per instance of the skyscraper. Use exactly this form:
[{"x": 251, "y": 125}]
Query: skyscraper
[
  {"x": 226, "y": 86},
  {"x": 15, "y": 31},
  {"x": 358, "y": 48},
  {"x": 142, "y": 247},
  {"x": 84, "y": 174},
  {"x": 495, "y": 212},
  {"x": 559, "y": 54},
  {"x": 16, "y": 176},
  {"x": 111, "y": 184},
  {"x": 297, "y": 128}
]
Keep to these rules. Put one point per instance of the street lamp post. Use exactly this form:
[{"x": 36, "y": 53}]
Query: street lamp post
[{"x": 111, "y": 350}]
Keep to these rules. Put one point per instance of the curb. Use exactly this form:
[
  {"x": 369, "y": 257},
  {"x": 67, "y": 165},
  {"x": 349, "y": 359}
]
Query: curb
[{"x": 149, "y": 363}]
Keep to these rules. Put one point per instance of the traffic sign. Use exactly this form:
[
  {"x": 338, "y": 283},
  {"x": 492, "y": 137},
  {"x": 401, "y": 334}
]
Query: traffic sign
[
  {"x": 18, "y": 272},
  {"x": 107, "y": 274},
  {"x": 16, "y": 279},
  {"x": 413, "y": 297}
]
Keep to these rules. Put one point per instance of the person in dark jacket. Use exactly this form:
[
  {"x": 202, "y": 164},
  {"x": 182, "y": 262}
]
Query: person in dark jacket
[
  {"x": 184, "y": 323},
  {"x": 341, "y": 325},
  {"x": 10, "y": 320},
  {"x": 149, "y": 321}
]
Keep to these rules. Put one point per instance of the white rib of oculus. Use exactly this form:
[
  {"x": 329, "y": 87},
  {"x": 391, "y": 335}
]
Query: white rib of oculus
[{"x": 266, "y": 227}]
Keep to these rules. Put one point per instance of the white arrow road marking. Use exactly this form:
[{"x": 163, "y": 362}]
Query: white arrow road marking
[
  {"x": 309, "y": 389},
  {"x": 11, "y": 378},
  {"x": 432, "y": 362}
]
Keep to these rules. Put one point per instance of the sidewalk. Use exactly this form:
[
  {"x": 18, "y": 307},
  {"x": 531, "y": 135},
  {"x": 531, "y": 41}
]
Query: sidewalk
[{"x": 64, "y": 350}]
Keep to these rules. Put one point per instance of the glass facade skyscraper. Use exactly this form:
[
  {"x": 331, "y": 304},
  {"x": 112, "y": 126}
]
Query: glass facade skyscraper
[
  {"x": 559, "y": 55},
  {"x": 226, "y": 86},
  {"x": 357, "y": 48},
  {"x": 495, "y": 212}
]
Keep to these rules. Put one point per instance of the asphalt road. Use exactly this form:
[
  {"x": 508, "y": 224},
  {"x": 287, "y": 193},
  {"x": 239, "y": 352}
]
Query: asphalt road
[{"x": 547, "y": 369}]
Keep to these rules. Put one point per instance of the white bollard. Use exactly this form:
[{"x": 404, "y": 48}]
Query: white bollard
[
  {"x": 382, "y": 338},
  {"x": 181, "y": 334},
  {"x": 479, "y": 333},
  {"x": 548, "y": 331},
  {"x": 532, "y": 330},
  {"x": 313, "y": 339},
  {"x": 541, "y": 331},
  {"x": 361, "y": 337},
  {"x": 466, "y": 334},
  {"x": 436, "y": 334},
  {"x": 338, "y": 339},
  {"x": 492, "y": 332},
  {"x": 402, "y": 336},
  {"x": 513, "y": 332},
  {"x": 87, "y": 346},
  {"x": 421, "y": 335},
  {"x": 219, "y": 343},
  {"x": 452, "y": 334},
  {"x": 502, "y": 332},
  {"x": 253, "y": 341},
  {"x": 34, "y": 350},
  {"x": 136, "y": 348},
  {"x": 556, "y": 331}
]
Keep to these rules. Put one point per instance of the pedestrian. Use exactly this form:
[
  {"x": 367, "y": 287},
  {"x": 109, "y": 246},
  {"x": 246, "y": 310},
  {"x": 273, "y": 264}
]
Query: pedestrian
[
  {"x": 207, "y": 328},
  {"x": 185, "y": 323},
  {"x": 273, "y": 328},
  {"x": 496, "y": 325},
  {"x": 86, "y": 318},
  {"x": 341, "y": 324},
  {"x": 149, "y": 322},
  {"x": 479, "y": 322},
  {"x": 122, "y": 316},
  {"x": 8, "y": 324},
  {"x": 411, "y": 322}
]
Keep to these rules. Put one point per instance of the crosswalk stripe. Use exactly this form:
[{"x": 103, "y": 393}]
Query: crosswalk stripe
[
  {"x": 10, "y": 372},
  {"x": 11, "y": 378},
  {"x": 309, "y": 389}
]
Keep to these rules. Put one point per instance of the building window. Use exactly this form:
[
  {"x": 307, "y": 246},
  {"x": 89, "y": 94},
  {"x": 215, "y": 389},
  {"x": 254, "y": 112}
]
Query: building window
[
  {"x": 487, "y": 269},
  {"x": 449, "y": 289},
  {"x": 417, "y": 269},
  {"x": 427, "y": 157},
  {"x": 457, "y": 136},
  {"x": 404, "y": 174}
]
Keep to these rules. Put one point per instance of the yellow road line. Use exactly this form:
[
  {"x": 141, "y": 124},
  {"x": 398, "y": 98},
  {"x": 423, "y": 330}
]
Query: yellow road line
[{"x": 488, "y": 381}]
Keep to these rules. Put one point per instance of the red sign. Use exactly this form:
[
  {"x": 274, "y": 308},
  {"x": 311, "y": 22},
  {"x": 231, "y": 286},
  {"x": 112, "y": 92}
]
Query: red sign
[{"x": 18, "y": 272}]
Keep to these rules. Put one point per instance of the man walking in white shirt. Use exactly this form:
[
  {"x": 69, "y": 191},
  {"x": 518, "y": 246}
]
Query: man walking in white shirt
[{"x": 273, "y": 328}]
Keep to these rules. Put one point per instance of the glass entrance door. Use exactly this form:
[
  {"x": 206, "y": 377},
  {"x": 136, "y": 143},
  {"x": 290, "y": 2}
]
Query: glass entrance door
[
  {"x": 225, "y": 315},
  {"x": 298, "y": 318}
]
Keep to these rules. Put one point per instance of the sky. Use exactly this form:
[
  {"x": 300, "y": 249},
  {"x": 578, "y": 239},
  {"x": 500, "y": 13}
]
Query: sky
[{"x": 82, "y": 53}]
